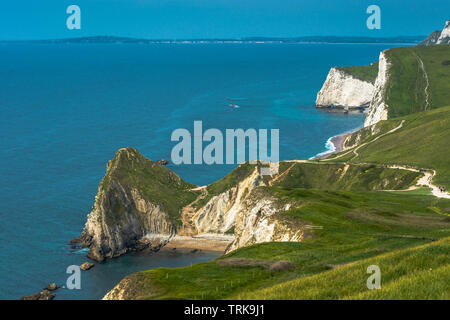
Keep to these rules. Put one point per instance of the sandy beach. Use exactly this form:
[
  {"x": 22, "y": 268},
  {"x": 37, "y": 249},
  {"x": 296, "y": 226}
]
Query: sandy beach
[
  {"x": 338, "y": 143},
  {"x": 205, "y": 242}
]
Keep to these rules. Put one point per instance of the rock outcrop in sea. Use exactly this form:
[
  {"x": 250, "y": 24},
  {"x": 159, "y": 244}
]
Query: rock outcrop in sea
[
  {"x": 343, "y": 90},
  {"x": 133, "y": 201},
  {"x": 142, "y": 202}
]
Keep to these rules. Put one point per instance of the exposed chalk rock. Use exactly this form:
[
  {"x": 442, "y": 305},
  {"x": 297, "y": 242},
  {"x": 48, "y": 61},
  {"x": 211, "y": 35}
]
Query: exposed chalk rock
[
  {"x": 378, "y": 109},
  {"x": 343, "y": 90}
]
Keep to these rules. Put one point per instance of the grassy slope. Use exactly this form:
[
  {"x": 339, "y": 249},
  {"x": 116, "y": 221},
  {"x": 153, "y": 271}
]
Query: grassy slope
[
  {"x": 356, "y": 225},
  {"x": 364, "y": 73},
  {"x": 406, "y": 87},
  {"x": 154, "y": 181},
  {"x": 329, "y": 176},
  {"x": 421, "y": 142},
  {"x": 421, "y": 272}
]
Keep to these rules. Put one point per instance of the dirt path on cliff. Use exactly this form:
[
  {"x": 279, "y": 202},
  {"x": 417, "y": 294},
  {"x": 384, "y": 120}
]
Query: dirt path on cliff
[
  {"x": 422, "y": 67},
  {"x": 355, "y": 150}
]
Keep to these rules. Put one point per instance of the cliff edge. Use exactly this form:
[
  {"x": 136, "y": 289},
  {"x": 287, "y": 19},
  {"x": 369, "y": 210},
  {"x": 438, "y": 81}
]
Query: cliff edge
[
  {"x": 342, "y": 89},
  {"x": 137, "y": 198}
]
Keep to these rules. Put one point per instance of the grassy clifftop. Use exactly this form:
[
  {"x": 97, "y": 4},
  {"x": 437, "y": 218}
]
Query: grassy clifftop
[
  {"x": 421, "y": 142},
  {"x": 154, "y": 181},
  {"x": 327, "y": 176},
  {"x": 346, "y": 227},
  {"x": 418, "y": 79},
  {"x": 365, "y": 73},
  {"x": 421, "y": 272}
]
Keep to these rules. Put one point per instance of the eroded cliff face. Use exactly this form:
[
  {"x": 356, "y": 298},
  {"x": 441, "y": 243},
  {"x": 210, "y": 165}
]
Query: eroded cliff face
[
  {"x": 343, "y": 90},
  {"x": 251, "y": 213},
  {"x": 378, "y": 109},
  {"x": 444, "y": 37},
  {"x": 122, "y": 215}
]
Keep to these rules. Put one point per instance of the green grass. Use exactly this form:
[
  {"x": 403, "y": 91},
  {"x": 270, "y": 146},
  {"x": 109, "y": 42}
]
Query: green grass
[
  {"x": 355, "y": 226},
  {"x": 329, "y": 176},
  {"x": 422, "y": 142},
  {"x": 365, "y": 73},
  {"x": 156, "y": 183},
  {"x": 421, "y": 272},
  {"x": 407, "y": 81}
]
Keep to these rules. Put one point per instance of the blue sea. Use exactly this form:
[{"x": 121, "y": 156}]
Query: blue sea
[{"x": 66, "y": 108}]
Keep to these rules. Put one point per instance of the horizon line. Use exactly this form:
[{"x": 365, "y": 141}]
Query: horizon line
[{"x": 247, "y": 38}]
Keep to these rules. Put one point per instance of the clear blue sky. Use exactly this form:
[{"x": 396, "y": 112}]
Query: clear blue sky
[{"x": 172, "y": 19}]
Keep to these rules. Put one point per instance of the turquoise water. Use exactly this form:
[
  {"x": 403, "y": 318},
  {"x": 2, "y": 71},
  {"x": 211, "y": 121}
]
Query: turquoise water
[{"x": 65, "y": 110}]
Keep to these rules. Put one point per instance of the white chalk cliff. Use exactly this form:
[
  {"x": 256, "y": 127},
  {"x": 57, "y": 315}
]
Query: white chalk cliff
[
  {"x": 251, "y": 213},
  {"x": 343, "y": 90},
  {"x": 438, "y": 37},
  {"x": 445, "y": 34},
  {"x": 378, "y": 109}
]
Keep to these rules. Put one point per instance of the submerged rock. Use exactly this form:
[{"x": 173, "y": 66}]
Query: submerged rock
[
  {"x": 87, "y": 265},
  {"x": 52, "y": 287},
  {"x": 43, "y": 295},
  {"x": 75, "y": 243}
]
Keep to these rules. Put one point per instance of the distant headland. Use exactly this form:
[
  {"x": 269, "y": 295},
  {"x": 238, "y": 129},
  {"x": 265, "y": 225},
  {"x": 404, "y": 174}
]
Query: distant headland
[{"x": 306, "y": 39}]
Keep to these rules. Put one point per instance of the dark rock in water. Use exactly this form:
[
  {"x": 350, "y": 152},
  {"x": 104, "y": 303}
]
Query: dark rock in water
[
  {"x": 163, "y": 162},
  {"x": 86, "y": 266},
  {"x": 75, "y": 243},
  {"x": 52, "y": 287},
  {"x": 43, "y": 295},
  {"x": 141, "y": 245},
  {"x": 195, "y": 251}
]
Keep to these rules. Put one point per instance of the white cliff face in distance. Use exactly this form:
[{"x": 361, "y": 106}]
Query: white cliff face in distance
[
  {"x": 343, "y": 90},
  {"x": 438, "y": 37},
  {"x": 378, "y": 109},
  {"x": 445, "y": 34}
]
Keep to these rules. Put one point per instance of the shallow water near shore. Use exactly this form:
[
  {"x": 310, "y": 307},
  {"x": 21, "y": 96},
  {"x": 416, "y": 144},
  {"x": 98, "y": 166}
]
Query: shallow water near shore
[
  {"x": 66, "y": 109},
  {"x": 104, "y": 276}
]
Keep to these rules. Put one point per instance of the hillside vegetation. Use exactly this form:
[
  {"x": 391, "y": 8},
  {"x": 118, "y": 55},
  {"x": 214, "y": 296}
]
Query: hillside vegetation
[
  {"x": 365, "y": 73},
  {"x": 154, "y": 181},
  {"x": 344, "y": 227},
  {"x": 347, "y": 223},
  {"x": 421, "y": 272},
  {"x": 418, "y": 79},
  {"x": 329, "y": 176},
  {"x": 421, "y": 142}
]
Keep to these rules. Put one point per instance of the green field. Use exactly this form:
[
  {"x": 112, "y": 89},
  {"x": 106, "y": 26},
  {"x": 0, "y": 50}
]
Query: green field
[
  {"x": 365, "y": 73},
  {"x": 422, "y": 142},
  {"x": 342, "y": 177},
  {"x": 348, "y": 223},
  {"x": 353, "y": 226},
  {"x": 407, "y": 84},
  {"x": 422, "y": 272}
]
